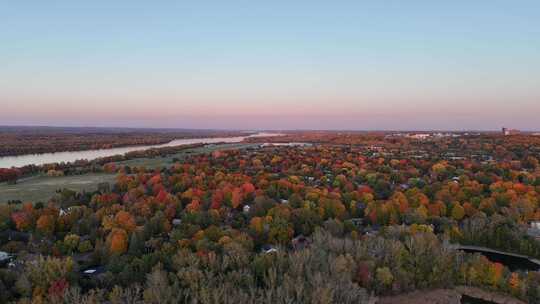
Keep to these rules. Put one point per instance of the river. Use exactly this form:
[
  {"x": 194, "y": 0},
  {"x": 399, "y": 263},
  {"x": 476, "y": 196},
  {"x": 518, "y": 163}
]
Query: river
[
  {"x": 514, "y": 262},
  {"x": 70, "y": 156}
]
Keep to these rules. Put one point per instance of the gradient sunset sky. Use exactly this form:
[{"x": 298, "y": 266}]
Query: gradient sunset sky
[{"x": 271, "y": 64}]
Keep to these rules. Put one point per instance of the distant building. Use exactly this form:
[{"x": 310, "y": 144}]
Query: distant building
[
  {"x": 420, "y": 136},
  {"x": 506, "y": 131}
]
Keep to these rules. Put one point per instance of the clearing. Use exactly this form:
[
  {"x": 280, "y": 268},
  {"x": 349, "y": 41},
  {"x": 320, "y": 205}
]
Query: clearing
[{"x": 42, "y": 188}]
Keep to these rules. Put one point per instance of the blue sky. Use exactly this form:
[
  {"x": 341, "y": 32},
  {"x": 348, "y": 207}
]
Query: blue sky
[{"x": 271, "y": 64}]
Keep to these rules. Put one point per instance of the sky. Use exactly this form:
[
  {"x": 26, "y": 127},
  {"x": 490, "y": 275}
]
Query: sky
[{"x": 358, "y": 65}]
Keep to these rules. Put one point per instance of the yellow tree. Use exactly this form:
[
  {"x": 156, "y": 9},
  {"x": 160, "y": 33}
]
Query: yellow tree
[{"x": 458, "y": 212}]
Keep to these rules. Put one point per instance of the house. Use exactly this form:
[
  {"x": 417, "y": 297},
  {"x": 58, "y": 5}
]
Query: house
[
  {"x": 5, "y": 258},
  {"x": 93, "y": 271},
  {"x": 176, "y": 222},
  {"x": 266, "y": 249},
  {"x": 246, "y": 209},
  {"x": 18, "y": 264}
]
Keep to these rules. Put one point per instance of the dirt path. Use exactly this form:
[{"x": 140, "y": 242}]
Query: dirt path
[
  {"x": 448, "y": 296},
  {"x": 437, "y": 296}
]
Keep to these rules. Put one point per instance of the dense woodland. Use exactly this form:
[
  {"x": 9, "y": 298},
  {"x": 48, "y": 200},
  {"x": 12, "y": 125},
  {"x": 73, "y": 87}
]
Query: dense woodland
[{"x": 352, "y": 217}]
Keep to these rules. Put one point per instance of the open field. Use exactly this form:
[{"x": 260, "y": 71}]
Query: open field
[{"x": 41, "y": 188}]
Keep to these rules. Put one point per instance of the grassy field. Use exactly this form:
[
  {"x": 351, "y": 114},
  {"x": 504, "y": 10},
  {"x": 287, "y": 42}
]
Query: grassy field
[{"x": 42, "y": 188}]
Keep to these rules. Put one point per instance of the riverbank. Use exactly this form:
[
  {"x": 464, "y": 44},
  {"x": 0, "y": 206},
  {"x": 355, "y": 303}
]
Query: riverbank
[
  {"x": 513, "y": 261},
  {"x": 71, "y": 156},
  {"x": 38, "y": 140}
]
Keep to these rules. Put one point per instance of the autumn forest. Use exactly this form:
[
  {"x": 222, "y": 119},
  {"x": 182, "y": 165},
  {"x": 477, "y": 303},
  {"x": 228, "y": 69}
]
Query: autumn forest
[{"x": 334, "y": 218}]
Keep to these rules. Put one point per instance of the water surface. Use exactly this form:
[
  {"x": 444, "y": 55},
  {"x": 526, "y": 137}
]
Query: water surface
[
  {"x": 70, "y": 156},
  {"x": 512, "y": 261}
]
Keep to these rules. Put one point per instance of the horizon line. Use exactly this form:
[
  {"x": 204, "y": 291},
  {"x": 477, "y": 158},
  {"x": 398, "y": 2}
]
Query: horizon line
[{"x": 260, "y": 129}]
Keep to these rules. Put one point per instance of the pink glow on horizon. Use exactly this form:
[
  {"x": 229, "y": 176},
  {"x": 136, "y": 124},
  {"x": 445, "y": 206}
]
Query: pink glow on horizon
[{"x": 265, "y": 118}]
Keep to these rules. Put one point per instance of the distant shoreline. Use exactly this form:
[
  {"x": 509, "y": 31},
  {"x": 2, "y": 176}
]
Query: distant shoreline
[
  {"x": 20, "y": 142},
  {"x": 19, "y": 161}
]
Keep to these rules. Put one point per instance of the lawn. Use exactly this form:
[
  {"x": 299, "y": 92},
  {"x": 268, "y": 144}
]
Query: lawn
[{"x": 42, "y": 188}]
